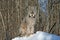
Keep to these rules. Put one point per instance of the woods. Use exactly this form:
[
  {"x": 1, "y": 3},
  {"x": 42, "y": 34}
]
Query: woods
[{"x": 12, "y": 12}]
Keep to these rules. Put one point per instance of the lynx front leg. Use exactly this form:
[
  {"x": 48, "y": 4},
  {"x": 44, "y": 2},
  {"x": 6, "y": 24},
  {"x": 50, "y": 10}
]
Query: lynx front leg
[{"x": 31, "y": 30}]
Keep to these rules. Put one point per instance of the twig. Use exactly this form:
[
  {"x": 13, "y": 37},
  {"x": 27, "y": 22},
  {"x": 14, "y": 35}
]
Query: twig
[
  {"x": 52, "y": 27},
  {"x": 2, "y": 21}
]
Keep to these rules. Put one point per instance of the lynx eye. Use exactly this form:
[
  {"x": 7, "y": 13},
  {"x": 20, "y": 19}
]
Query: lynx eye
[
  {"x": 30, "y": 15},
  {"x": 33, "y": 16}
]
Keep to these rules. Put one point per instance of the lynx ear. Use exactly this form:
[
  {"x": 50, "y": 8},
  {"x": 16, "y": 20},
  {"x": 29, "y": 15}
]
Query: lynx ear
[
  {"x": 35, "y": 8},
  {"x": 32, "y": 8},
  {"x": 29, "y": 8}
]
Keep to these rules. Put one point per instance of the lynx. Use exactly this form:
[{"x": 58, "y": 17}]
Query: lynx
[{"x": 27, "y": 26}]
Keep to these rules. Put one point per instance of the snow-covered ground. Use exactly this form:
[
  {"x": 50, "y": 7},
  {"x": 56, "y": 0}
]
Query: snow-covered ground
[{"x": 39, "y": 36}]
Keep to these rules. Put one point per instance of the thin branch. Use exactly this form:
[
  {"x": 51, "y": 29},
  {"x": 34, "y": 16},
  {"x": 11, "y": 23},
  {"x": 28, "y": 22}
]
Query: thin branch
[
  {"x": 2, "y": 21},
  {"x": 52, "y": 27}
]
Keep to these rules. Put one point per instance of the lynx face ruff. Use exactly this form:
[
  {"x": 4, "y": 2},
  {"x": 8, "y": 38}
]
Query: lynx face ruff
[{"x": 27, "y": 27}]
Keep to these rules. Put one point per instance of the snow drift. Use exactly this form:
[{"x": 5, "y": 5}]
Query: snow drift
[{"x": 39, "y": 36}]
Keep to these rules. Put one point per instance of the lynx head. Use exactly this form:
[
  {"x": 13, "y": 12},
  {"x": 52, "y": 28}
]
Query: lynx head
[{"x": 32, "y": 11}]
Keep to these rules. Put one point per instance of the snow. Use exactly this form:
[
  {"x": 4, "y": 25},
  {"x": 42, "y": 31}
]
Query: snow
[{"x": 39, "y": 35}]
